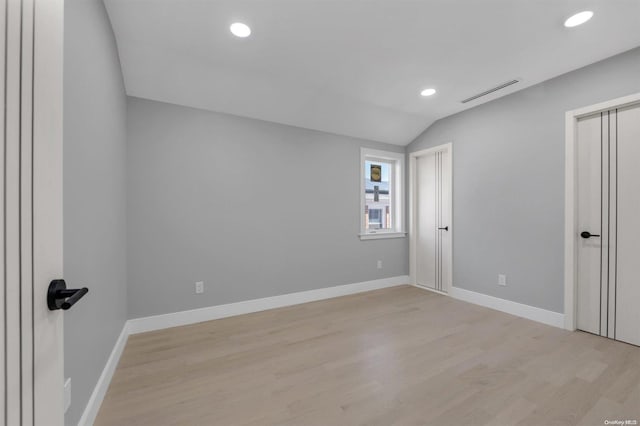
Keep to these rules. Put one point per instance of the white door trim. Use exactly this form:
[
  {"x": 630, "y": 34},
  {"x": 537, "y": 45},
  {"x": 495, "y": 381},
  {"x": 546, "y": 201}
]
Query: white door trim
[
  {"x": 448, "y": 147},
  {"x": 570, "y": 200}
]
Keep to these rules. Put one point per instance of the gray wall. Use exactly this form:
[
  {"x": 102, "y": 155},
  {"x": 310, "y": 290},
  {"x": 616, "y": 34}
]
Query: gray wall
[
  {"x": 508, "y": 173},
  {"x": 251, "y": 208},
  {"x": 94, "y": 196}
]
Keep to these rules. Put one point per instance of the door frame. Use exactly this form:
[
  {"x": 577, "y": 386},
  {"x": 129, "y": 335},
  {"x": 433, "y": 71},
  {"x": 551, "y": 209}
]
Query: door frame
[
  {"x": 448, "y": 147},
  {"x": 571, "y": 201}
]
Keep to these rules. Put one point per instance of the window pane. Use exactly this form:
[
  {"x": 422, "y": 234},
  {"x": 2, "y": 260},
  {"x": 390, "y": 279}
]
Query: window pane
[{"x": 377, "y": 204}]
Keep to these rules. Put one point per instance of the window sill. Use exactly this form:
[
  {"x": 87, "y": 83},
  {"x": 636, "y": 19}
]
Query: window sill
[{"x": 383, "y": 235}]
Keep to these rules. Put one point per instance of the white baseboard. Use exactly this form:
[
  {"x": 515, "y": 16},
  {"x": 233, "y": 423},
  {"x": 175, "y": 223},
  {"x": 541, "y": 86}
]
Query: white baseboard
[
  {"x": 91, "y": 410},
  {"x": 514, "y": 308},
  {"x": 158, "y": 322}
]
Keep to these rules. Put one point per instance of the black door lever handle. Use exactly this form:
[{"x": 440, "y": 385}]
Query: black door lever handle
[
  {"x": 446, "y": 228},
  {"x": 587, "y": 234},
  {"x": 59, "y": 297}
]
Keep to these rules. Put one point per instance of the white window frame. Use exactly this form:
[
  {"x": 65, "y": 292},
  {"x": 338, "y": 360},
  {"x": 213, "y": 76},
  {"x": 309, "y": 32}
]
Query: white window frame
[{"x": 397, "y": 194}]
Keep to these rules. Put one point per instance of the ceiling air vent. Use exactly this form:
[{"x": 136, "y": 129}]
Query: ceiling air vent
[{"x": 487, "y": 92}]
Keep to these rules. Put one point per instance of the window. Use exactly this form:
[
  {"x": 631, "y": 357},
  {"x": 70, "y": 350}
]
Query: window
[{"x": 381, "y": 194}]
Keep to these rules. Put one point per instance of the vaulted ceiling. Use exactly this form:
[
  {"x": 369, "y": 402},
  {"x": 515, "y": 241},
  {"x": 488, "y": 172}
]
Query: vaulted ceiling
[{"x": 356, "y": 67}]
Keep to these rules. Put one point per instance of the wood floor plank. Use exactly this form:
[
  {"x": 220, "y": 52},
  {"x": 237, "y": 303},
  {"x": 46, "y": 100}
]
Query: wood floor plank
[{"x": 398, "y": 356}]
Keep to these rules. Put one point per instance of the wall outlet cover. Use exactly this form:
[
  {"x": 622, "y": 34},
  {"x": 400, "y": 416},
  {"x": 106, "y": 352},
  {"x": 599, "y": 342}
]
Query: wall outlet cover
[
  {"x": 502, "y": 279},
  {"x": 379, "y": 264},
  {"x": 200, "y": 287}
]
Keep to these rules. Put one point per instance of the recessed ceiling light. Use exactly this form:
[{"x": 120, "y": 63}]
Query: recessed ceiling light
[
  {"x": 428, "y": 92},
  {"x": 239, "y": 29},
  {"x": 578, "y": 19}
]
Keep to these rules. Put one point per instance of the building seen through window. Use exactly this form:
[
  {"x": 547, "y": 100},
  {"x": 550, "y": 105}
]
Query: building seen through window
[{"x": 377, "y": 206}]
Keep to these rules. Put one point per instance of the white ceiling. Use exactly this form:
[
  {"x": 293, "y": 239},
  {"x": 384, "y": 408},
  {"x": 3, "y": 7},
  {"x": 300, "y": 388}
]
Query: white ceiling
[{"x": 356, "y": 67}]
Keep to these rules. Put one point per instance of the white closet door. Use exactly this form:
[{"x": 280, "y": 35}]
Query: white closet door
[
  {"x": 627, "y": 295},
  {"x": 609, "y": 224},
  {"x": 426, "y": 233},
  {"x": 31, "y": 339},
  {"x": 432, "y": 223},
  {"x": 591, "y": 267}
]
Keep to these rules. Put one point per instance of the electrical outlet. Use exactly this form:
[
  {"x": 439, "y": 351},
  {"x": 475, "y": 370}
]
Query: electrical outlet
[
  {"x": 379, "y": 264},
  {"x": 67, "y": 394},
  {"x": 502, "y": 279},
  {"x": 200, "y": 287}
]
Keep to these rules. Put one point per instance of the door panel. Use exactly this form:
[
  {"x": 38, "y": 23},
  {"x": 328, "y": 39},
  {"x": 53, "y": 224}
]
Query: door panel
[
  {"x": 426, "y": 221},
  {"x": 627, "y": 296},
  {"x": 610, "y": 244},
  {"x": 608, "y": 154},
  {"x": 47, "y": 209},
  {"x": 445, "y": 217},
  {"x": 12, "y": 195},
  {"x": 432, "y": 220},
  {"x": 590, "y": 196},
  {"x": 31, "y": 185}
]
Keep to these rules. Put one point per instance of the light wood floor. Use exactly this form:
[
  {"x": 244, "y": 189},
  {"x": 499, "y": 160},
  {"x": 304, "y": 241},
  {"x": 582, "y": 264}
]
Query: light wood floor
[{"x": 396, "y": 356}]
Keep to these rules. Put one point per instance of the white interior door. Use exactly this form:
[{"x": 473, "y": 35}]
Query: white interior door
[
  {"x": 31, "y": 36},
  {"x": 608, "y": 183},
  {"x": 431, "y": 218}
]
